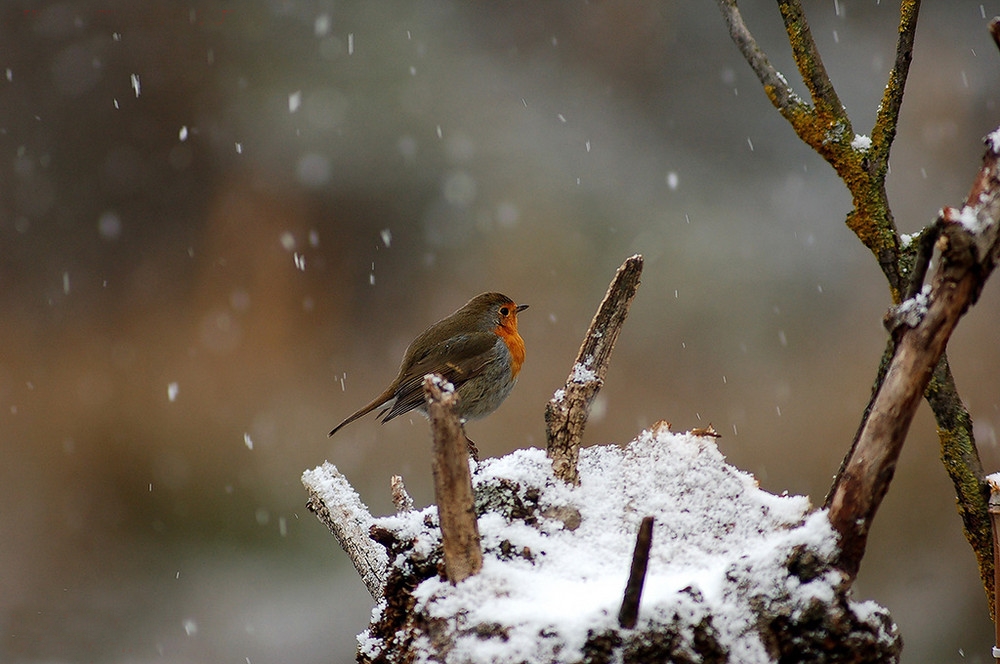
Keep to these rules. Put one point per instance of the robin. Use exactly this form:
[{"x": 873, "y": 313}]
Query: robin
[{"x": 477, "y": 349}]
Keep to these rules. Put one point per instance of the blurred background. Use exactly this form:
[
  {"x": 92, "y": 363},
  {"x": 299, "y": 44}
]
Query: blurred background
[{"x": 221, "y": 223}]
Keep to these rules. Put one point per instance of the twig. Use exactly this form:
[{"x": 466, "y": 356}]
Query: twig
[
  {"x": 961, "y": 459},
  {"x": 810, "y": 65},
  {"x": 629, "y": 613},
  {"x": 994, "y": 510},
  {"x": 401, "y": 500},
  {"x": 775, "y": 85},
  {"x": 566, "y": 413},
  {"x": 863, "y": 171},
  {"x": 826, "y": 128},
  {"x": 338, "y": 506},
  {"x": 887, "y": 117},
  {"x": 922, "y": 260},
  {"x": 969, "y": 246},
  {"x": 463, "y": 555}
]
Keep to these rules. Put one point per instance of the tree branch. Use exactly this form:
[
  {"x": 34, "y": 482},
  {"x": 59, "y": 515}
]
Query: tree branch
[
  {"x": 863, "y": 171},
  {"x": 335, "y": 502},
  {"x": 961, "y": 460},
  {"x": 921, "y": 326},
  {"x": 775, "y": 85},
  {"x": 884, "y": 131},
  {"x": 566, "y": 413},
  {"x": 807, "y": 59},
  {"x": 463, "y": 554},
  {"x": 826, "y": 128}
]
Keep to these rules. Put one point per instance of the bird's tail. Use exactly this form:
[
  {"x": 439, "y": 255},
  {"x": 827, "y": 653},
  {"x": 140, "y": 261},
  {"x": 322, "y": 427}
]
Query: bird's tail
[{"x": 380, "y": 400}]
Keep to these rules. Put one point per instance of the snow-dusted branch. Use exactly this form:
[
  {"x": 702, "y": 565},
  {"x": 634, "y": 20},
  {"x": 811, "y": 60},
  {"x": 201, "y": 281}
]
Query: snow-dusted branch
[
  {"x": 825, "y": 126},
  {"x": 775, "y": 85},
  {"x": 862, "y": 164},
  {"x": 463, "y": 554},
  {"x": 922, "y": 325},
  {"x": 338, "y": 506},
  {"x": 566, "y": 413}
]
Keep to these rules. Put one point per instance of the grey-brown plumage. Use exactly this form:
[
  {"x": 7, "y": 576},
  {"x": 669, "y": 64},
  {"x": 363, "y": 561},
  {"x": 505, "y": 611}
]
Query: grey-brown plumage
[{"x": 477, "y": 349}]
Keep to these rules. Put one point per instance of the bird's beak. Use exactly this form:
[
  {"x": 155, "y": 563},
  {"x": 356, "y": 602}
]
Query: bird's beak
[{"x": 521, "y": 307}]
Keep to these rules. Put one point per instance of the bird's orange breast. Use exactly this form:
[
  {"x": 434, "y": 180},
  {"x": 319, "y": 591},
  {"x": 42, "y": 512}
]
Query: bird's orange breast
[{"x": 515, "y": 344}]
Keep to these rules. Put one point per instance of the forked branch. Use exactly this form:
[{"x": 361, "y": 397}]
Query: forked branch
[{"x": 921, "y": 326}]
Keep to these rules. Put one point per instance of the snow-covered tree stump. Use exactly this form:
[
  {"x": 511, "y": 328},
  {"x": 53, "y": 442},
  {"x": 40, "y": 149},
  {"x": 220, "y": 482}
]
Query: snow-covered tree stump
[{"x": 735, "y": 574}]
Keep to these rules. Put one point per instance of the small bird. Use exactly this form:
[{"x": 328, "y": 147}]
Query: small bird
[{"x": 477, "y": 349}]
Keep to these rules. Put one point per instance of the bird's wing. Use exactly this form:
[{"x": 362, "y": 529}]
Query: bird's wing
[{"x": 457, "y": 360}]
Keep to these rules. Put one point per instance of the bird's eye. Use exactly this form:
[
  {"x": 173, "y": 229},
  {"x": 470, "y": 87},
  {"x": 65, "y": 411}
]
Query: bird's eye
[{"x": 504, "y": 311}]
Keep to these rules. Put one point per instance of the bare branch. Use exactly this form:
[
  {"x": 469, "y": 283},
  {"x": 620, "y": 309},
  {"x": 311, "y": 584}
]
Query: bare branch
[
  {"x": 961, "y": 459},
  {"x": 922, "y": 260},
  {"x": 566, "y": 413},
  {"x": 463, "y": 554},
  {"x": 994, "y": 512},
  {"x": 887, "y": 118},
  {"x": 775, "y": 85},
  {"x": 921, "y": 326},
  {"x": 810, "y": 65},
  {"x": 338, "y": 506}
]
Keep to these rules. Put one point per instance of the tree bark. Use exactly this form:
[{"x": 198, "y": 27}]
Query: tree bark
[
  {"x": 921, "y": 327},
  {"x": 463, "y": 555},
  {"x": 566, "y": 413},
  {"x": 335, "y": 502}
]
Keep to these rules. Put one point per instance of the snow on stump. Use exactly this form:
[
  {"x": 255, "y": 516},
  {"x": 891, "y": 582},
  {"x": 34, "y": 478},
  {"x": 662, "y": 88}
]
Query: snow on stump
[{"x": 735, "y": 574}]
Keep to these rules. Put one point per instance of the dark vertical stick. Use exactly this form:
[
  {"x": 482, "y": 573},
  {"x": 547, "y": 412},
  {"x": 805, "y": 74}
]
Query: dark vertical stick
[
  {"x": 463, "y": 555},
  {"x": 629, "y": 613}
]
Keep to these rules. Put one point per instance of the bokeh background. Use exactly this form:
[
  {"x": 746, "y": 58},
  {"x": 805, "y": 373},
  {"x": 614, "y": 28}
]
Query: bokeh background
[{"x": 221, "y": 223}]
